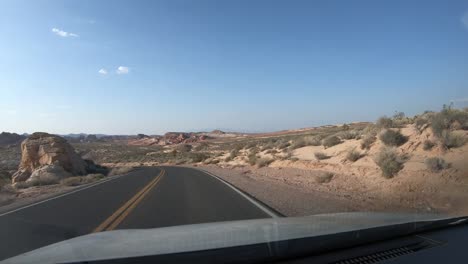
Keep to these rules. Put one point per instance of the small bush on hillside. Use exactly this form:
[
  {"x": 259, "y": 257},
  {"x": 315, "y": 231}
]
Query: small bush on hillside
[
  {"x": 421, "y": 122},
  {"x": 331, "y": 141},
  {"x": 312, "y": 140},
  {"x": 298, "y": 143},
  {"x": 283, "y": 145},
  {"x": 271, "y": 151},
  {"x": 321, "y": 156},
  {"x": 452, "y": 139},
  {"x": 199, "y": 157},
  {"x": 445, "y": 118},
  {"x": 184, "y": 148},
  {"x": 264, "y": 162},
  {"x": 393, "y": 138},
  {"x": 324, "y": 177},
  {"x": 201, "y": 146},
  {"x": 428, "y": 145},
  {"x": 250, "y": 145},
  {"x": 353, "y": 155},
  {"x": 349, "y": 134},
  {"x": 384, "y": 122},
  {"x": 252, "y": 158},
  {"x": 367, "y": 141},
  {"x": 436, "y": 164},
  {"x": 389, "y": 162}
]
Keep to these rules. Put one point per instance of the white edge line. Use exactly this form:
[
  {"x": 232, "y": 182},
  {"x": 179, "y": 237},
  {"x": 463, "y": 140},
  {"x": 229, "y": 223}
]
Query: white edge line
[
  {"x": 263, "y": 208},
  {"x": 62, "y": 195}
]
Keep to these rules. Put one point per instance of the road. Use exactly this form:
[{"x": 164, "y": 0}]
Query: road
[{"x": 145, "y": 198}]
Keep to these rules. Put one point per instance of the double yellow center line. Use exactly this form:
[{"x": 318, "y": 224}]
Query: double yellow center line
[{"x": 118, "y": 216}]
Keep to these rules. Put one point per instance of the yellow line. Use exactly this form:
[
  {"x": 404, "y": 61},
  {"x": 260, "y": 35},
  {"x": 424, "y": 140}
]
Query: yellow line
[
  {"x": 130, "y": 209},
  {"x": 122, "y": 209}
]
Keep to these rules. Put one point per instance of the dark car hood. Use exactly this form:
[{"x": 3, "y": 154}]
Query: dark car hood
[{"x": 197, "y": 237}]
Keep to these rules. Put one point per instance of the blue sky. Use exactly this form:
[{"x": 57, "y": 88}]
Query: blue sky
[{"x": 126, "y": 67}]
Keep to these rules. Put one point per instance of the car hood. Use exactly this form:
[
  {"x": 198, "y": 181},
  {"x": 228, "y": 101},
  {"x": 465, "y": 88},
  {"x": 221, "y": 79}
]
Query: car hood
[{"x": 190, "y": 238}]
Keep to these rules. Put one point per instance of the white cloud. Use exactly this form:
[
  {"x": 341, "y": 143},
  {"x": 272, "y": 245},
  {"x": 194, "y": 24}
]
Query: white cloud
[
  {"x": 464, "y": 19},
  {"x": 122, "y": 70},
  {"x": 103, "y": 71},
  {"x": 64, "y": 34}
]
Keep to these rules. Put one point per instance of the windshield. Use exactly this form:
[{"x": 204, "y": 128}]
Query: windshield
[{"x": 148, "y": 114}]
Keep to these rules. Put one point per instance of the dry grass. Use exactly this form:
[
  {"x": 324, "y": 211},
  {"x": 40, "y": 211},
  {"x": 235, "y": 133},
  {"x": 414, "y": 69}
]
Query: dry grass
[
  {"x": 436, "y": 164},
  {"x": 120, "y": 170},
  {"x": 392, "y": 138},
  {"x": 389, "y": 161},
  {"x": 353, "y": 155},
  {"x": 321, "y": 156},
  {"x": 79, "y": 180},
  {"x": 331, "y": 141}
]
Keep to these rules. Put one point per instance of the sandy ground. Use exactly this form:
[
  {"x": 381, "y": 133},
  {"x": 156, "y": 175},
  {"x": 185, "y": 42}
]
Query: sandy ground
[{"x": 295, "y": 192}]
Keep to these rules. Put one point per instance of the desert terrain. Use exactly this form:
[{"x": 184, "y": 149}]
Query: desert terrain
[{"x": 398, "y": 163}]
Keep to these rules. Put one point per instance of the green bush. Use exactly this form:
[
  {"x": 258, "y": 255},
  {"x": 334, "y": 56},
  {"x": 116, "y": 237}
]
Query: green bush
[
  {"x": 436, "y": 164},
  {"x": 389, "y": 161},
  {"x": 428, "y": 145},
  {"x": 384, "y": 122},
  {"x": 321, "y": 156},
  {"x": 393, "y": 138},
  {"x": 331, "y": 141},
  {"x": 452, "y": 139},
  {"x": 353, "y": 155}
]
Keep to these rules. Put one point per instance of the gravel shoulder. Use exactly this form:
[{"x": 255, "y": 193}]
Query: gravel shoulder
[{"x": 279, "y": 189}]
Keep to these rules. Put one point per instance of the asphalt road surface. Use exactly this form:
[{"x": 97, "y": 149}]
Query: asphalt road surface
[{"x": 144, "y": 198}]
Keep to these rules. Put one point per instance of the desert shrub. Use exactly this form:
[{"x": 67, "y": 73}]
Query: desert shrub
[
  {"x": 367, "y": 141},
  {"x": 37, "y": 182},
  {"x": 298, "y": 143},
  {"x": 184, "y": 148},
  {"x": 264, "y": 162},
  {"x": 252, "y": 158},
  {"x": 436, "y": 164},
  {"x": 271, "y": 151},
  {"x": 349, "y": 134},
  {"x": 353, "y": 155},
  {"x": 331, "y": 141},
  {"x": 321, "y": 156},
  {"x": 446, "y": 118},
  {"x": 120, "y": 170},
  {"x": 201, "y": 146},
  {"x": 234, "y": 153},
  {"x": 389, "y": 161},
  {"x": 428, "y": 145},
  {"x": 199, "y": 156},
  {"x": 312, "y": 140},
  {"x": 283, "y": 145},
  {"x": 421, "y": 122},
  {"x": 250, "y": 145},
  {"x": 452, "y": 139},
  {"x": 324, "y": 177},
  {"x": 384, "y": 122},
  {"x": 393, "y": 138},
  {"x": 228, "y": 159},
  {"x": 79, "y": 180}
]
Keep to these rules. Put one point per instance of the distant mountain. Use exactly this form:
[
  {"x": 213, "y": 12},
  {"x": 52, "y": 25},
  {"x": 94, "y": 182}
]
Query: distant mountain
[{"x": 10, "y": 139}]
